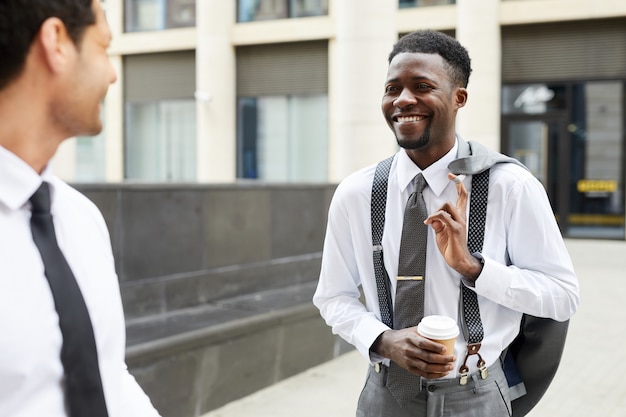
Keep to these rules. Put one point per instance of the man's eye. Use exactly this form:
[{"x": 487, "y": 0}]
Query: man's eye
[
  {"x": 391, "y": 89},
  {"x": 422, "y": 86}
]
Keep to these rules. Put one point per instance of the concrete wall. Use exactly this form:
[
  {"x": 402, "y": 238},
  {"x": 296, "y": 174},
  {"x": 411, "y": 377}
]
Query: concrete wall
[{"x": 217, "y": 282}]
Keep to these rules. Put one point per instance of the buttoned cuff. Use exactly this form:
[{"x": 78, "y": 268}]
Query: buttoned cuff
[
  {"x": 494, "y": 281},
  {"x": 366, "y": 334}
]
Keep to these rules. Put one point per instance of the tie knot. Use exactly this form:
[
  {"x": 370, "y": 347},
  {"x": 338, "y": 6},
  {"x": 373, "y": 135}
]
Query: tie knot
[
  {"x": 420, "y": 183},
  {"x": 40, "y": 200}
]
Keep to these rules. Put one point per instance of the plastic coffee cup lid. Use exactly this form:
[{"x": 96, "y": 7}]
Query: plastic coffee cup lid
[{"x": 438, "y": 327}]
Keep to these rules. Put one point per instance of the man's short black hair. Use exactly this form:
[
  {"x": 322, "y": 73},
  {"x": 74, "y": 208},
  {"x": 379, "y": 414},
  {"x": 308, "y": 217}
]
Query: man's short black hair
[
  {"x": 20, "y": 21},
  {"x": 433, "y": 42}
]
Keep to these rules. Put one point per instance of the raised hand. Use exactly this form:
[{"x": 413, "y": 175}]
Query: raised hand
[{"x": 450, "y": 226}]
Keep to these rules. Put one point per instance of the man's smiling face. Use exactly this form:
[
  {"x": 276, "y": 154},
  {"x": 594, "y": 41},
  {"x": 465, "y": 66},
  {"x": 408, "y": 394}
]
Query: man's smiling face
[{"x": 420, "y": 100}]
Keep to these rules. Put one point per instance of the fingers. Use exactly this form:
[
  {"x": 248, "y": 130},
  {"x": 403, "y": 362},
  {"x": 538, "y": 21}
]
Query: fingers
[
  {"x": 448, "y": 214},
  {"x": 445, "y": 215},
  {"x": 458, "y": 179},
  {"x": 421, "y": 356},
  {"x": 430, "y": 364},
  {"x": 461, "y": 202}
]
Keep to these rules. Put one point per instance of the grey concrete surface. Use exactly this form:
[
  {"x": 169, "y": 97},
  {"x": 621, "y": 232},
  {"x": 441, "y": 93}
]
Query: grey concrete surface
[{"x": 590, "y": 380}]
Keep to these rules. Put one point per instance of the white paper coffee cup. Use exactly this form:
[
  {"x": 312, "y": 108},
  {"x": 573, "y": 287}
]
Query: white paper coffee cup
[{"x": 440, "y": 329}]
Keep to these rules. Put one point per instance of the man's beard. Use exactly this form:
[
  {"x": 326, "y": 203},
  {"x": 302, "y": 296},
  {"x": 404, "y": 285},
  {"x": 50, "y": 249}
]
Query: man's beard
[{"x": 415, "y": 143}]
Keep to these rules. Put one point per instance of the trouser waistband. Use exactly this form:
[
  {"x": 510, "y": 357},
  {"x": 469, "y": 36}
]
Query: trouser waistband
[{"x": 447, "y": 385}]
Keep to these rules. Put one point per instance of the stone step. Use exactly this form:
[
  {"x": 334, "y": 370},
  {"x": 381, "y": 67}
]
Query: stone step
[
  {"x": 155, "y": 327},
  {"x": 194, "y": 360}
]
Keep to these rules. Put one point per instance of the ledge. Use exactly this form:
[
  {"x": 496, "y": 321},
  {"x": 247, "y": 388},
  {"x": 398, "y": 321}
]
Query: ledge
[{"x": 217, "y": 333}]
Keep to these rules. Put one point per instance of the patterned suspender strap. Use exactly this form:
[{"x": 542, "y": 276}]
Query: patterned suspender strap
[
  {"x": 379, "y": 202},
  {"x": 470, "y": 312}
]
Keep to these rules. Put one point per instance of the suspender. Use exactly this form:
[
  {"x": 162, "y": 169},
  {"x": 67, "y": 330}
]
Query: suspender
[
  {"x": 379, "y": 203},
  {"x": 532, "y": 359},
  {"x": 471, "y": 323}
]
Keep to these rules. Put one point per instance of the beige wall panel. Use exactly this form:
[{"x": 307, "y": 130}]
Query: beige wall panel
[
  {"x": 283, "y": 30},
  {"x": 366, "y": 32},
  {"x": 149, "y": 42},
  {"x": 541, "y": 11},
  {"x": 436, "y": 18},
  {"x": 114, "y": 131},
  {"x": 216, "y": 92},
  {"x": 478, "y": 30}
]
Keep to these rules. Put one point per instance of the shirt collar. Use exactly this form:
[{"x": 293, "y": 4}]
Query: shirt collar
[
  {"x": 18, "y": 181},
  {"x": 436, "y": 175}
]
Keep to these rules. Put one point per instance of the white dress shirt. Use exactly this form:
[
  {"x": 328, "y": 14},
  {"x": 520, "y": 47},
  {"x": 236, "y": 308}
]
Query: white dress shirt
[
  {"x": 527, "y": 267},
  {"x": 31, "y": 372}
]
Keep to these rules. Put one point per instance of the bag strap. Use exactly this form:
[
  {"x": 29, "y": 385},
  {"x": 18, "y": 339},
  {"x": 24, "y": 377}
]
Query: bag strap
[{"x": 378, "y": 206}]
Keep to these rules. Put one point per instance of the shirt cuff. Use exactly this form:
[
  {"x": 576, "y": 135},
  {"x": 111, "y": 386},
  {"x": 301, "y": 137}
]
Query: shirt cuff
[
  {"x": 494, "y": 281},
  {"x": 366, "y": 334}
]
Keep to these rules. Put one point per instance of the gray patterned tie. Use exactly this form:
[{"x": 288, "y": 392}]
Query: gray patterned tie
[{"x": 409, "y": 304}]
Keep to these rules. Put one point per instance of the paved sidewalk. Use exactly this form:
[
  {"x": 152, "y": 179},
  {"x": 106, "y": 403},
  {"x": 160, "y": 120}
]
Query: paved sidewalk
[{"x": 590, "y": 382}]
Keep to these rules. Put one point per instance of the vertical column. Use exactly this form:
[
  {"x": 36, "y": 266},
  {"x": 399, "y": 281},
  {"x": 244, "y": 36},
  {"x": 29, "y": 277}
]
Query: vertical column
[
  {"x": 64, "y": 160},
  {"x": 114, "y": 126},
  {"x": 478, "y": 29},
  {"x": 365, "y": 34},
  {"x": 215, "y": 92},
  {"x": 114, "y": 101}
]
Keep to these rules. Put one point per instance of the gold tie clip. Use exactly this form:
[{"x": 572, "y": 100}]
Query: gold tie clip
[{"x": 411, "y": 278}]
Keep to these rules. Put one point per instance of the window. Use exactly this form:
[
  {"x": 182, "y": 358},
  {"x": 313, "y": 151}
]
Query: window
[
  {"x": 160, "y": 116},
  {"x": 533, "y": 98},
  {"x": 570, "y": 135},
  {"x": 423, "y": 3},
  {"x": 161, "y": 141},
  {"x": 597, "y": 160},
  {"x": 283, "y": 138},
  {"x": 90, "y": 156},
  {"x": 253, "y": 10},
  {"x": 145, "y": 15},
  {"x": 282, "y": 114}
]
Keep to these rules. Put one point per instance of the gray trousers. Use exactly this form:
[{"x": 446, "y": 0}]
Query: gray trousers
[{"x": 439, "y": 398}]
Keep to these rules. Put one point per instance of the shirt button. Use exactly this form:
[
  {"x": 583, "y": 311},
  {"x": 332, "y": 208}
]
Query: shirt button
[{"x": 432, "y": 388}]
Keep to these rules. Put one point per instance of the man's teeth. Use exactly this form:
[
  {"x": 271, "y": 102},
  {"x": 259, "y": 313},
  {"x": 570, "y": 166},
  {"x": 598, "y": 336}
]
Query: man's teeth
[{"x": 403, "y": 119}]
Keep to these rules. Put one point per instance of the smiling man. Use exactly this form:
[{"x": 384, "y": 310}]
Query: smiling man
[
  {"x": 522, "y": 267},
  {"x": 61, "y": 320}
]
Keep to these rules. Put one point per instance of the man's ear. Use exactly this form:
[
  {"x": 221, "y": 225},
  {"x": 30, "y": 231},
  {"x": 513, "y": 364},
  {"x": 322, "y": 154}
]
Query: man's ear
[
  {"x": 56, "y": 44},
  {"x": 460, "y": 97}
]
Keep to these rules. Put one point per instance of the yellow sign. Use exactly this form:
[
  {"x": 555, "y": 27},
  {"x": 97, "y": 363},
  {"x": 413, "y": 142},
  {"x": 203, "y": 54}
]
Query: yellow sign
[{"x": 596, "y": 186}]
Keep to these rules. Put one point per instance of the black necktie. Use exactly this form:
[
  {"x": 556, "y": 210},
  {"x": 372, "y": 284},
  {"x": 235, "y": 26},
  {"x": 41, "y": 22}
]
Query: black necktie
[
  {"x": 83, "y": 387},
  {"x": 409, "y": 305}
]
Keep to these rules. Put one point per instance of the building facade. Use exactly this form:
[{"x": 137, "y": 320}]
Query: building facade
[{"x": 290, "y": 91}]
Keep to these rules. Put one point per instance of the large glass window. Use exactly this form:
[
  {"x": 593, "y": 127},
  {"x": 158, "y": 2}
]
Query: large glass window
[
  {"x": 423, "y": 3},
  {"x": 90, "y": 159},
  {"x": 533, "y": 98},
  {"x": 90, "y": 156},
  {"x": 146, "y": 15},
  {"x": 597, "y": 157},
  {"x": 161, "y": 141},
  {"x": 283, "y": 138},
  {"x": 252, "y": 10},
  {"x": 571, "y": 137}
]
